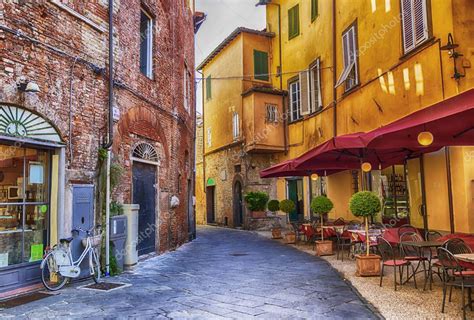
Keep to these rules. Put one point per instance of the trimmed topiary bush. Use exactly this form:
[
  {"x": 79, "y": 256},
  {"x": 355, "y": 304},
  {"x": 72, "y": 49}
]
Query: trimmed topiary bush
[
  {"x": 256, "y": 201},
  {"x": 287, "y": 206},
  {"x": 273, "y": 205},
  {"x": 321, "y": 205},
  {"x": 365, "y": 204}
]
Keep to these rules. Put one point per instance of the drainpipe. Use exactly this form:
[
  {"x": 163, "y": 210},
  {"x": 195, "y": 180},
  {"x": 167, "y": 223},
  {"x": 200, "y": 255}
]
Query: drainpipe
[
  {"x": 110, "y": 137},
  {"x": 203, "y": 140},
  {"x": 334, "y": 73}
]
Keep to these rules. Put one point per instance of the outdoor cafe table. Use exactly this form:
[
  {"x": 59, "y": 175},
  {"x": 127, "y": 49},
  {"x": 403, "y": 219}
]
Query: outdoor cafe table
[{"x": 422, "y": 246}]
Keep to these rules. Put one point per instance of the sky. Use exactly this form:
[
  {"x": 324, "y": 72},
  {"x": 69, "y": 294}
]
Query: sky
[{"x": 223, "y": 17}]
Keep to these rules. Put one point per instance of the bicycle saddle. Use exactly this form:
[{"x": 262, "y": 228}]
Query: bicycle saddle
[{"x": 66, "y": 240}]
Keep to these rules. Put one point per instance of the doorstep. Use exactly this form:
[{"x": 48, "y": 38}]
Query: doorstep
[{"x": 20, "y": 291}]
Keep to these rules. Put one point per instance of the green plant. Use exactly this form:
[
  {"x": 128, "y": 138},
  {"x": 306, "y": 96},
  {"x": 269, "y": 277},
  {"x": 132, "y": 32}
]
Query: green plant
[
  {"x": 365, "y": 204},
  {"x": 321, "y": 205},
  {"x": 274, "y": 205},
  {"x": 116, "y": 209},
  {"x": 256, "y": 201},
  {"x": 287, "y": 206}
]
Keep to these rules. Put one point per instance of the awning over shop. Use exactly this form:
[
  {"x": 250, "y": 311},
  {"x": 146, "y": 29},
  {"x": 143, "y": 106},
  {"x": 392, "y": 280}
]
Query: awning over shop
[{"x": 287, "y": 169}]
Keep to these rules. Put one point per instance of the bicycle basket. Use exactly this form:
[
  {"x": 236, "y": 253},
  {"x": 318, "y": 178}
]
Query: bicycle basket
[{"x": 95, "y": 241}]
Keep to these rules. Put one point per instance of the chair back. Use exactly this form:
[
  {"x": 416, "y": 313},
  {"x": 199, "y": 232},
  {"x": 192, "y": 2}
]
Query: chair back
[
  {"x": 354, "y": 224},
  {"x": 385, "y": 249},
  {"x": 406, "y": 228},
  {"x": 339, "y": 222},
  {"x": 408, "y": 250},
  {"x": 457, "y": 246},
  {"x": 431, "y": 235},
  {"x": 448, "y": 262}
]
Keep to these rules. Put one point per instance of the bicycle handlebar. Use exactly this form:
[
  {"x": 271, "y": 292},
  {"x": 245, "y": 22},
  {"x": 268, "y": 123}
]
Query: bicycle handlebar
[{"x": 77, "y": 229}]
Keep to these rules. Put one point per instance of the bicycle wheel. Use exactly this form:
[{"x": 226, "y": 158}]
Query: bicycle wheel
[
  {"x": 50, "y": 276},
  {"x": 95, "y": 266}
]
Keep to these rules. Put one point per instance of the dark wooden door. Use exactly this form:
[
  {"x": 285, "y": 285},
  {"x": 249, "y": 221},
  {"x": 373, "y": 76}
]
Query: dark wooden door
[
  {"x": 238, "y": 209},
  {"x": 210, "y": 204},
  {"x": 144, "y": 194}
]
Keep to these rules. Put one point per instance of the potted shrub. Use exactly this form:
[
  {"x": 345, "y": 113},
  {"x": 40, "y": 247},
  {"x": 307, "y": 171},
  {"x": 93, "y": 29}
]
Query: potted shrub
[
  {"x": 287, "y": 206},
  {"x": 274, "y": 206},
  {"x": 366, "y": 204},
  {"x": 321, "y": 205},
  {"x": 257, "y": 203}
]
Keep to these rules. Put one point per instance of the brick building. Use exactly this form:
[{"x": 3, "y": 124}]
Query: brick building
[{"x": 54, "y": 103}]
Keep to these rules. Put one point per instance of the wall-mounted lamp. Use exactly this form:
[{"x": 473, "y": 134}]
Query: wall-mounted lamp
[
  {"x": 451, "y": 48},
  {"x": 314, "y": 176},
  {"x": 25, "y": 85}
]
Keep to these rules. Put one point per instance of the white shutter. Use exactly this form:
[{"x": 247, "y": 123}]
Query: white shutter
[
  {"x": 319, "y": 104},
  {"x": 345, "y": 49},
  {"x": 305, "y": 92},
  {"x": 407, "y": 25},
  {"x": 420, "y": 21}
]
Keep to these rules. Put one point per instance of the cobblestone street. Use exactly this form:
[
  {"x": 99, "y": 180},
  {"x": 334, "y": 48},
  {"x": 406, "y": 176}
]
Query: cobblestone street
[{"x": 223, "y": 274}]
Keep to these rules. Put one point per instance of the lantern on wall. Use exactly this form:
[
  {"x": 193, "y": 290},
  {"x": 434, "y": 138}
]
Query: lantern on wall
[
  {"x": 425, "y": 138},
  {"x": 366, "y": 167},
  {"x": 314, "y": 176}
]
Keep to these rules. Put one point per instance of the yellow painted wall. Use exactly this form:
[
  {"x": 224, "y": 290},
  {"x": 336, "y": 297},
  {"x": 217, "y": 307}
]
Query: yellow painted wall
[{"x": 400, "y": 84}]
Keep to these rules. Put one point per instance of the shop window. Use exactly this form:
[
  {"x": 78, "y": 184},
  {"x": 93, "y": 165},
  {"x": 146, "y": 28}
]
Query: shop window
[
  {"x": 350, "y": 74},
  {"x": 395, "y": 193},
  {"x": 414, "y": 23},
  {"x": 355, "y": 181},
  {"x": 260, "y": 63},
  {"x": 295, "y": 101},
  {"x": 293, "y": 22},
  {"x": 24, "y": 204},
  {"x": 146, "y": 44}
]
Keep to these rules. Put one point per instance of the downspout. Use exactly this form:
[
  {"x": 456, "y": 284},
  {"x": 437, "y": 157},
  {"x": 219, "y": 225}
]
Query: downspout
[
  {"x": 203, "y": 141},
  {"x": 334, "y": 73},
  {"x": 283, "y": 104},
  {"x": 110, "y": 137}
]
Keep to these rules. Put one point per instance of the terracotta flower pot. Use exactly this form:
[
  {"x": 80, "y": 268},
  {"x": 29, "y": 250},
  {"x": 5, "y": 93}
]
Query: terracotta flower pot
[
  {"x": 324, "y": 248},
  {"x": 276, "y": 233},
  {"x": 290, "y": 237},
  {"x": 259, "y": 214},
  {"x": 368, "y": 266}
]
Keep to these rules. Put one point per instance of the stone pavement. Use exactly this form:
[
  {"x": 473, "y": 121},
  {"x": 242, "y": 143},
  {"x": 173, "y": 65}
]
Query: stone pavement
[{"x": 224, "y": 273}]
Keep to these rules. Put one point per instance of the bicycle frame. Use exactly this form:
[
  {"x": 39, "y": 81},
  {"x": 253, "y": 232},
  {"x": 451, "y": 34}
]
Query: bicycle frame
[{"x": 73, "y": 270}]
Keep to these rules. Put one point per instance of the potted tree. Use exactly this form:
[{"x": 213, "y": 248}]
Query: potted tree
[
  {"x": 321, "y": 205},
  {"x": 366, "y": 204},
  {"x": 274, "y": 206},
  {"x": 257, "y": 203},
  {"x": 287, "y": 206}
]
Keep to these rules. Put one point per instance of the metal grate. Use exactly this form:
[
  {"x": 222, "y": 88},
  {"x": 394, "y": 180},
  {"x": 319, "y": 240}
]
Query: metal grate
[
  {"x": 23, "y": 299},
  {"x": 146, "y": 151},
  {"x": 105, "y": 286}
]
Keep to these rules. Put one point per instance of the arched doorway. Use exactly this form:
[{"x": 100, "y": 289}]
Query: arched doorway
[
  {"x": 237, "y": 204},
  {"x": 144, "y": 171}
]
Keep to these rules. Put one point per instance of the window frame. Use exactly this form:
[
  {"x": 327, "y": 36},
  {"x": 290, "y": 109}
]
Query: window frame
[
  {"x": 257, "y": 54},
  {"x": 349, "y": 64},
  {"x": 271, "y": 113},
  {"x": 292, "y": 103},
  {"x": 314, "y": 10},
  {"x": 187, "y": 88},
  {"x": 427, "y": 26},
  {"x": 315, "y": 66},
  {"x": 296, "y": 32},
  {"x": 235, "y": 125},
  {"x": 208, "y": 87},
  {"x": 149, "y": 54}
]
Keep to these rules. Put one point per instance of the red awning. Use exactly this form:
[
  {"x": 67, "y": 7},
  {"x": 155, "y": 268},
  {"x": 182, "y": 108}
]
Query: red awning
[
  {"x": 287, "y": 169},
  {"x": 451, "y": 122}
]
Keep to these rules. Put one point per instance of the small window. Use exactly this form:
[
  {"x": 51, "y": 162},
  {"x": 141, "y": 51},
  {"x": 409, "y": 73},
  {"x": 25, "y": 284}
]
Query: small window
[
  {"x": 349, "y": 75},
  {"x": 295, "y": 101},
  {"x": 235, "y": 125},
  {"x": 315, "y": 87},
  {"x": 272, "y": 113},
  {"x": 208, "y": 88},
  {"x": 294, "y": 22},
  {"x": 314, "y": 9},
  {"x": 187, "y": 88},
  {"x": 260, "y": 63},
  {"x": 414, "y": 23},
  {"x": 146, "y": 44},
  {"x": 209, "y": 137}
]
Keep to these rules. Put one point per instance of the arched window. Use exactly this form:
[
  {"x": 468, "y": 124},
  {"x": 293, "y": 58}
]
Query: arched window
[{"x": 146, "y": 151}]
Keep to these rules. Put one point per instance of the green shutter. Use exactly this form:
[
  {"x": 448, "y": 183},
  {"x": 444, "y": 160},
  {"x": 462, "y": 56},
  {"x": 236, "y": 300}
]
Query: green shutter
[
  {"x": 260, "y": 65},
  {"x": 314, "y": 9},
  {"x": 294, "y": 22},
  {"x": 208, "y": 88}
]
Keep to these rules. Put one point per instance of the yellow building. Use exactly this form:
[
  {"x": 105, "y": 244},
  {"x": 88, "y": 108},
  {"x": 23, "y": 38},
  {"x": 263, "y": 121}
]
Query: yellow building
[
  {"x": 241, "y": 132},
  {"x": 353, "y": 66}
]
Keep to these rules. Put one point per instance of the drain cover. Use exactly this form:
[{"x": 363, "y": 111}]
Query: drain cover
[
  {"x": 105, "y": 286},
  {"x": 23, "y": 299},
  {"x": 239, "y": 254}
]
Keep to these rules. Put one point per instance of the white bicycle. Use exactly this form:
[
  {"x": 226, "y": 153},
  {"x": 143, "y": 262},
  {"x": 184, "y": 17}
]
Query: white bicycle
[{"x": 58, "y": 265}]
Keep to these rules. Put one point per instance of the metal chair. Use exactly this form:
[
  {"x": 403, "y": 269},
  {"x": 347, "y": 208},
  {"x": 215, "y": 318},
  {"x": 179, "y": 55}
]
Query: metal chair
[
  {"x": 406, "y": 228},
  {"x": 388, "y": 260},
  {"x": 454, "y": 276},
  {"x": 431, "y": 235},
  {"x": 412, "y": 253},
  {"x": 343, "y": 241},
  {"x": 457, "y": 246}
]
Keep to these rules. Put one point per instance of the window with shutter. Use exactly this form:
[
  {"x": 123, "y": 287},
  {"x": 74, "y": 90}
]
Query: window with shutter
[
  {"x": 304, "y": 92},
  {"x": 315, "y": 87},
  {"x": 272, "y": 113},
  {"x": 146, "y": 44},
  {"x": 350, "y": 74},
  {"x": 295, "y": 103},
  {"x": 414, "y": 23},
  {"x": 314, "y": 9},
  {"x": 235, "y": 125},
  {"x": 294, "y": 22},
  {"x": 208, "y": 88},
  {"x": 260, "y": 62}
]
